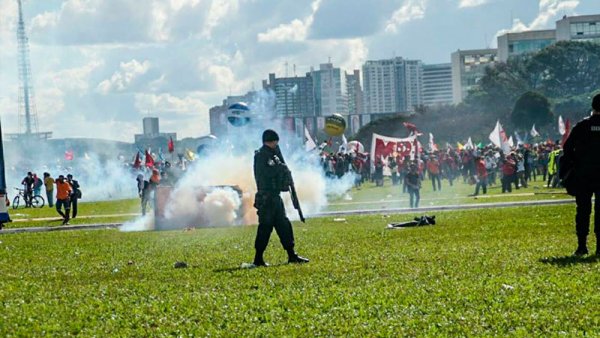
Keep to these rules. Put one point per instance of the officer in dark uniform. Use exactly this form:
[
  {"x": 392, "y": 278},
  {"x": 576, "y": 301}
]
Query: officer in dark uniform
[
  {"x": 582, "y": 156},
  {"x": 272, "y": 177}
]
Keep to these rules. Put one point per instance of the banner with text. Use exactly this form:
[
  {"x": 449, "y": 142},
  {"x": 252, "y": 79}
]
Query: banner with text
[{"x": 383, "y": 146}]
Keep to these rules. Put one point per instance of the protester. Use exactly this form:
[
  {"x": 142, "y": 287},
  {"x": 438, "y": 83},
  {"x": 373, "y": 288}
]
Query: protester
[
  {"x": 433, "y": 167},
  {"x": 63, "y": 198},
  {"x": 27, "y": 183},
  {"x": 581, "y": 151},
  {"x": 37, "y": 185},
  {"x": 412, "y": 181},
  {"x": 508, "y": 173},
  {"x": 49, "y": 184},
  {"x": 482, "y": 176},
  {"x": 75, "y": 194}
]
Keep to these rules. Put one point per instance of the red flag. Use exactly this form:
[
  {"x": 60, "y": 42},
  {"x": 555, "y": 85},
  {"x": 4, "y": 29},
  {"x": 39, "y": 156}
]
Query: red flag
[
  {"x": 137, "y": 163},
  {"x": 69, "y": 155},
  {"x": 171, "y": 145},
  {"x": 411, "y": 127},
  {"x": 567, "y": 132},
  {"x": 149, "y": 160}
]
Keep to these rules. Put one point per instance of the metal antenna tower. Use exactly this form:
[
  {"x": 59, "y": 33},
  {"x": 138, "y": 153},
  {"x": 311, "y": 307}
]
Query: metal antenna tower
[{"x": 28, "y": 122}]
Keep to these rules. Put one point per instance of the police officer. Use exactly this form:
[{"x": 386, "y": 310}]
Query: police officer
[
  {"x": 581, "y": 154},
  {"x": 272, "y": 177}
]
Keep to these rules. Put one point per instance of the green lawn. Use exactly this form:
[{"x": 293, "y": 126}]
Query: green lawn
[
  {"x": 371, "y": 197},
  {"x": 487, "y": 272}
]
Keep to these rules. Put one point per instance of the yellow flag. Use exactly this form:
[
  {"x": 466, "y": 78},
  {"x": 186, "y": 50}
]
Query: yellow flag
[
  {"x": 459, "y": 146},
  {"x": 189, "y": 155}
]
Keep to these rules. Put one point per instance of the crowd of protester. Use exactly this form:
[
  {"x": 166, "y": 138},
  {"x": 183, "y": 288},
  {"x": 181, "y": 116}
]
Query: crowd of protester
[{"x": 479, "y": 166}]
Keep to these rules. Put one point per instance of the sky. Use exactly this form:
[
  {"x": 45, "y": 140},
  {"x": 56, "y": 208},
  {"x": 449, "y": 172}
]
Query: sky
[{"x": 100, "y": 66}]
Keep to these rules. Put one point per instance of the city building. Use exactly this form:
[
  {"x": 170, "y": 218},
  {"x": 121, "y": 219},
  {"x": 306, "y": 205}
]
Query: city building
[
  {"x": 293, "y": 95},
  {"x": 330, "y": 91},
  {"x": 151, "y": 136},
  {"x": 437, "y": 84},
  {"x": 392, "y": 85},
  {"x": 355, "y": 93},
  {"x": 578, "y": 28},
  {"x": 468, "y": 67},
  {"x": 514, "y": 44}
]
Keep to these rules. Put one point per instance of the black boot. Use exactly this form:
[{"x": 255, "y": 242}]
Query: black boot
[
  {"x": 294, "y": 258},
  {"x": 259, "y": 260},
  {"x": 582, "y": 249}
]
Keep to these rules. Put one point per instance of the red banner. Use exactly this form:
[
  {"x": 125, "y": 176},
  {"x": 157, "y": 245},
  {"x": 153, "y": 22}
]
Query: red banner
[{"x": 382, "y": 147}]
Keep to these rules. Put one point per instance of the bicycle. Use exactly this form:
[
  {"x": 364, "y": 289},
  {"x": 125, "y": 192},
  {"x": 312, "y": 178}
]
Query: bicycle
[{"x": 37, "y": 201}]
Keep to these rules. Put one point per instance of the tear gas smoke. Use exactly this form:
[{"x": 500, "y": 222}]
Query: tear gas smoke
[
  {"x": 98, "y": 169},
  {"x": 229, "y": 162}
]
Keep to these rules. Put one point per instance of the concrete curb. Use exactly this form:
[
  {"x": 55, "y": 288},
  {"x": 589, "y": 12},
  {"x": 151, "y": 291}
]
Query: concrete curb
[{"x": 325, "y": 214}]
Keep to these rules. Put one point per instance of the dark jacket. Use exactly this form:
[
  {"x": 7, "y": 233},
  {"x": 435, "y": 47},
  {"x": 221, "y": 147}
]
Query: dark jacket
[
  {"x": 269, "y": 169},
  {"x": 582, "y": 153}
]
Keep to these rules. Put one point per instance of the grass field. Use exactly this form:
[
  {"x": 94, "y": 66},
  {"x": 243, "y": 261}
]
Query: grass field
[{"x": 504, "y": 272}]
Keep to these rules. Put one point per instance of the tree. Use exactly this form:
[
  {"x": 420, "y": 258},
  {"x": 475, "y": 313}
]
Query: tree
[
  {"x": 531, "y": 108},
  {"x": 567, "y": 68}
]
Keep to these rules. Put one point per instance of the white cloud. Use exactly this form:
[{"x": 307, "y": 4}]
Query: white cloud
[
  {"x": 409, "y": 11},
  {"x": 219, "y": 10},
  {"x": 124, "y": 77},
  {"x": 296, "y": 30},
  {"x": 549, "y": 10},
  {"x": 73, "y": 79},
  {"x": 471, "y": 3}
]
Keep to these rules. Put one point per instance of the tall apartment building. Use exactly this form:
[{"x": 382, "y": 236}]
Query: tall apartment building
[
  {"x": 293, "y": 95},
  {"x": 578, "y": 28},
  {"x": 330, "y": 91},
  {"x": 515, "y": 44},
  {"x": 468, "y": 67},
  {"x": 437, "y": 84},
  {"x": 392, "y": 85},
  {"x": 355, "y": 94}
]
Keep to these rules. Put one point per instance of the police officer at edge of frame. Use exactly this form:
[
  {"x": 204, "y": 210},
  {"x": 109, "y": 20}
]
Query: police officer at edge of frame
[
  {"x": 271, "y": 175},
  {"x": 580, "y": 171}
]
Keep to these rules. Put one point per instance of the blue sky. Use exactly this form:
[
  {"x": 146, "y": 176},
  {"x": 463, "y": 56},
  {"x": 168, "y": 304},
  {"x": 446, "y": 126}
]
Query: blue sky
[{"x": 101, "y": 65}]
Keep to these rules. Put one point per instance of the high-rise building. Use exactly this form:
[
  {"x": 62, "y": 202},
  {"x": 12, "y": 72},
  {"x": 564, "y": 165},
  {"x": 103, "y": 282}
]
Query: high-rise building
[
  {"x": 392, "y": 85},
  {"x": 514, "y": 44},
  {"x": 578, "y": 28},
  {"x": 355, "y": 94},
  {"x": 329, "y": 89},
  {"x": 468, "y": 67},
  {"x": 437, "y": 84},
  {"x": 293, "y": 95}
]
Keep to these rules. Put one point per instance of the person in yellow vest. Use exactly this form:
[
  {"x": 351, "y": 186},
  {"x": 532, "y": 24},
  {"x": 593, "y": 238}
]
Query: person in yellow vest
[
  {"x": 49, "y": 183},
  {"x": 553, "y": 167}
]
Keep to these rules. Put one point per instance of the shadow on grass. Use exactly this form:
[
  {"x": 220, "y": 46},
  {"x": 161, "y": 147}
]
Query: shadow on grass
[
  {"x": 240, "y": 268},
  {"x": 570, "y": 260}
]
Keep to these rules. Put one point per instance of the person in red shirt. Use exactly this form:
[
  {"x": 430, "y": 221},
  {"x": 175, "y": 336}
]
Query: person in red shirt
[
  {"x": 433, "y": 167},
  {"x": 482, "y": 176},
  {"x": 509, "y": 168},
  {"x": 63, "y": 198}
]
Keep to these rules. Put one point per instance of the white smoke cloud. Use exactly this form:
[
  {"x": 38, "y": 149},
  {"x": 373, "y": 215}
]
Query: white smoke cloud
[{"x": 204, "y": 197}]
